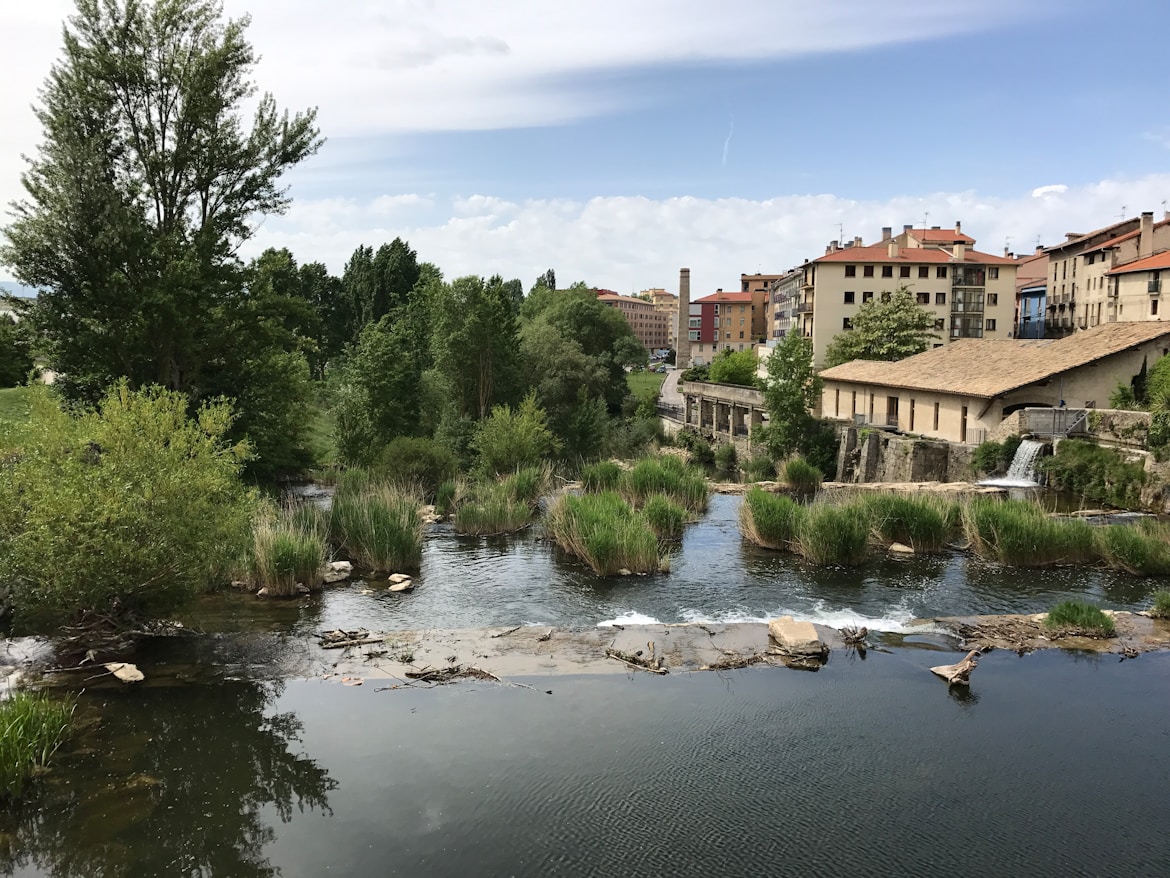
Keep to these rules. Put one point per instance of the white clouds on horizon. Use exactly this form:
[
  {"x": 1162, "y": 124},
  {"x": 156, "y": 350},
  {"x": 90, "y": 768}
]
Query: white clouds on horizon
[{"x": 631, "y": 243}]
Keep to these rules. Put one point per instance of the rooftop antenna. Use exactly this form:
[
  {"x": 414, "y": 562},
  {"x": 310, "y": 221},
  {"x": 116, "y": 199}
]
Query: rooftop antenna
[
  {"x": 1122, "y": 216},
  {"x": 841, "y": 232},
  {"x": 925, "y": 220}
]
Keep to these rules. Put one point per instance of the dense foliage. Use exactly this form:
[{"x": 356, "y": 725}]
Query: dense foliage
[
  {"x": 891, "y": 327},
  {"x": 15, "y": 353},
  {"x": 734, "y": 367},
  {"x": 1100, "y": 475}
]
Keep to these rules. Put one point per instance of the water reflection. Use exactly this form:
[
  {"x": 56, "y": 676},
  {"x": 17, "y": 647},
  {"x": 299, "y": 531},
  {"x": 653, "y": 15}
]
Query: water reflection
[{"x": 206, "y": 771}]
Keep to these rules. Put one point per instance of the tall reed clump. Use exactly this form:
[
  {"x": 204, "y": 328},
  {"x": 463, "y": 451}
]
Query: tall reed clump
[
  {"x": 32, "y": 727},
  {"x": 605, "y": 475},
  {"x": 760, "y": 468},
  {"x": 1134, "y": 550},
  {"x": 379, "y": 525},
  {"x": 665, "y": 517},
  {"x": 801, "y": 476},
  {"x": 1080, "y": 618},
  {"x": 492, "y": 508},
  {"x": 919, "y": 522},
  {"x": 1019, "y": 533},
  {"x": 1161, "y": 606},
  {"x": 669, "y": 476},
  {"x": 834, "y": 535},
  {"x": 605, "y": 532},
  {"x": 770, "y": 520},
  {"x": 529, "y": 484},
  {"x": 289, "y": 547}
]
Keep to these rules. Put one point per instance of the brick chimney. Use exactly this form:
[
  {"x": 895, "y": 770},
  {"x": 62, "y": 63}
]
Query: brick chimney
[
  {"x": 857, "y": 241},
  {"x": 1146, "y": 240},
  {"x": 682, "y": 336},
  {"x": 887, "y": 232}
]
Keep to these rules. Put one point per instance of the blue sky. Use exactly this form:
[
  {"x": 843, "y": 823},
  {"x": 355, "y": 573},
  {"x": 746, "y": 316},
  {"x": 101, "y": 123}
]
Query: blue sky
[{"x": 616, "y": 141}]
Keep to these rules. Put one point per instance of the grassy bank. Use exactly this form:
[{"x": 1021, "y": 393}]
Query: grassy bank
[
  {"x": 289, "y": 547},
  {"x": 644, "y": 382},
  {"x": 605, "y": 532},
  {"x": 32, "y": 727}
]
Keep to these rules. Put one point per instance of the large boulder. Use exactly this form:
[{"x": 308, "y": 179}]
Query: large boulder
[
  {"x": 796, "y": 639},
  {"x": 336, "y": 571}
]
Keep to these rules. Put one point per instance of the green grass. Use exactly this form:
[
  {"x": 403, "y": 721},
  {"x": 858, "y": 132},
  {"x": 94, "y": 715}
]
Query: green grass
[
  {"x": 665, "y": 517},
  {"x": 377, "y": 524},
  {"x": 834, "y": 535},
  {"x": 289, "y": 547},
  {"x": 492, "y": 508},
  {"x": 1133, "y": 550},
  {"x": 16, "y": 403},
  {"x": 919, "y": 522},
  {"x": 643, "y": 383},
  {"x": 760, "y": 468},
  {"x": 1161, "y": 607},
  {"x": 801, "y": 476},
  {"x": 32, "y": 727},
  {"x": 1083, "y": 618},
  {"x": 666, "y": 475},
  {"x": 605, "y": 532},
  {"x": 770, "y": 520},
  {"x": 1018, "y": 533},
  {"x": 604, "y": 475},
  {"x": 529, "y": 484}
]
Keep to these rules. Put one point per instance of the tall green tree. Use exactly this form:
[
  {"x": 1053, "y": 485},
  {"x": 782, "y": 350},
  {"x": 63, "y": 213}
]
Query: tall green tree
[
  {"x": 892, "y": 327},
  {"x": 147, "y": 181},
  {"x": 791, "y": 391},
  {"x": 15, "y": 353}
]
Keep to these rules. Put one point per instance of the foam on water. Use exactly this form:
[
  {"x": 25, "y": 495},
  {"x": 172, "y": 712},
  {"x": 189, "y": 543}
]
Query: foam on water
[
  {"x": 896, "y": 621},
  {"x": 630, "y": 617}
]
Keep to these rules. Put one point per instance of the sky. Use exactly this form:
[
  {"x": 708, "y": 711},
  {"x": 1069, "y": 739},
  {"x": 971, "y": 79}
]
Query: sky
[{"x": 616, "y": 141}]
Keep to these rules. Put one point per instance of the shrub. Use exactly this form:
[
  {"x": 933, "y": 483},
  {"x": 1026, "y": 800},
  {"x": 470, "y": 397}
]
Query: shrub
[
  {"x": 770, "y": 520},
  {"x": 604, "y": 475},
  {"x": 417, "y": 463},
  {"x": 760, "y": 468},
  {"x": 835, "y": 535},
  {"x": 509, "y": 439},
  {"x": 377, "y": 524},
  {"x": 446, "y": 497},
  {"x": 1019, "y": 534},
  {"x": 1161, "y": 607},
  {"x": 287, "y": 548},
  {"x": 1100, "y": 475},
  {"x": 123, "y": 514},
  {"x": 995, "y": 458},
  {"x": 1133, "y": 550},
  {"x": 32, "y": 727},
  {"x": 726, "y": 458},
  {"x": 666, "y": 518},
  {"x": 700, "y": 450},
  {"x": 734, "y": 367},
  {"x": 1082, "y": 618},
  {"x": 801, "y": 476},
  {"x": 669, "y": 476},
  {"x": 920, "y": 522},
  {"x": 492, "y": 508},
  {"x": 605, "y": 532}
]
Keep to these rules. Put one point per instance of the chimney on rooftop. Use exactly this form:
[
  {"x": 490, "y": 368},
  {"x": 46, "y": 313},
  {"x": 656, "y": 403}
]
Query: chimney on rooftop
[
  {"x": 857, "y": 241},
  {"x": 907, "y": 227},
  {"x": 936, "y": 228},
  {"x": 958, "y": 227},
  {"x": 887, "y": 232},
  {"x": 960, "y": 251},
  {"x": 1039, "y": 249},
  {"x": 892, "y": 249},
  {"x": 682, "y": 335},
  {"x": 832, "y": 248},
  {"x": 1146, "y": 241}
]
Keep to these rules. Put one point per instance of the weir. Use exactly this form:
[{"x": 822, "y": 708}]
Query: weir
[{"x": 1022, "y": 472}]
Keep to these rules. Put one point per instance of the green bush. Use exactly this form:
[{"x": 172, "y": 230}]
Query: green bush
[
  {"x": 836, "y": 535},
  {"x": 32, "y": 727},
  {"x": 1161, "y": 607},
  {"x": 604, "y": 475},
  {"x": 669, "y": 476},
  {"x": 511, "y": 439},
  {"x": 919, "y": 522},
  {"x": 665, "y": 517},
  {"x": 1133, "y": 550},
  {"x": 378, "y": 525},
  {"x": 760, "y": 468},
  {"x": 120, "y": 515},
  {"x": 801, "y": 476},
  {"x": 995, "y": 458},
  {"x": 770, "y": 520},
  {"x": 492, "y": 508},
  {"x": 1081, "y": 618},
  {"x": 734, "y": 367},
  {"x": 605, "y": 532},
  {"x": 701, "y": 451},
  {"x": 417, "y": 463},
  {"x": 288, "y": 547},
  {"x": 726, "y": 458},
  {"x": 1100, "y": 475},
  {"x": 1019, "y": 534}
]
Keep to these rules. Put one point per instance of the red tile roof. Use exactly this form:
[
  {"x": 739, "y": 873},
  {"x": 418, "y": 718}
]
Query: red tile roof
[
  {"x": 1150, "y": 263},
  {"x": 939, "y": 236},
  {"x": 725, "y": 297},
  {"x": 1113, "y": 242},
  {"x": 880, "y": 253}
]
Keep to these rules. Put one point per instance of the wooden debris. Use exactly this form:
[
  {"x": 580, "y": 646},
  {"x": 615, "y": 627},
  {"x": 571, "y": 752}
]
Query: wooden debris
[
  {"x": 853, "y": 635},
  {"x": 734, "y": 662},
  {"x": 958, "y": 674},
  {"x": 339, "y": 639},
  {"x": 451, "y": 673},
  {"x": 635, "y": 660},
  {"x": 545, "y": 637},
  {"x": 506, "y": 633}
]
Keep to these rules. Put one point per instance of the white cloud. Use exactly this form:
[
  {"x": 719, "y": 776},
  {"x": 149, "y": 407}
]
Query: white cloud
[
  {"x": 1052, "y": 189},
  {"x": 629, "y": 243}
]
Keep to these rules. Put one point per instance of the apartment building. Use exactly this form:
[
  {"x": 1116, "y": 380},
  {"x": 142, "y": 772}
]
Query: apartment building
[
  {"x": 760, "y": 285},
  {"x": 721, "y": 321},
  {"x": 667, "y": 305},
  {"x": 969, "y": 293},
  {"x": 650, "y": 325},
  {"x": 784, "y": 296},
  {"x": 1031, "y": 294},
  {"x": 1084, "y": 275}
]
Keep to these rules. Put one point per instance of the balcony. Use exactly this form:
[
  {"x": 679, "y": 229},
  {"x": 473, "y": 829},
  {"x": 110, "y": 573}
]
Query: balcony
[{"x": 804, "y": 308}]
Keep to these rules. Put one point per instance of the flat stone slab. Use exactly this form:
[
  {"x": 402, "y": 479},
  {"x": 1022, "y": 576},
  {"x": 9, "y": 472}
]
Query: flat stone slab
[{"x": 796, "y": 638}]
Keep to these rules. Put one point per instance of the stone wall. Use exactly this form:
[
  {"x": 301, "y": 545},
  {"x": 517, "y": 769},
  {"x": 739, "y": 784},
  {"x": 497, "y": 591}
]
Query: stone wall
[
  {"x": 877, "y": 456},
  {"x": 1119, "y": 427}
]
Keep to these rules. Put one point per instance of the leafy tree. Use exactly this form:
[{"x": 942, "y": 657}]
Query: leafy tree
[
  {"x": 884, "y": 330},
  {"x": 734, "y": 367},
  {"x": 509, "y": 439},
  {"x": 547, "y": 281},
  {"x": 145, "y": 185},
  {"x": 791, "y": 390},
  {"x": 325, "y": 295},
  {"x": 123, "y": 514},
  {"x": 628, "y": 351},
  {"x": 15, "y": 353}
]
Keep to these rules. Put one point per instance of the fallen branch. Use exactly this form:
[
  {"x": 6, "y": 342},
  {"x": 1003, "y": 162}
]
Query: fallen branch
[
  {"x": 958, "y": 674},
  {"x": 636, "y": 661},
  {"x": 735, "y": 662},
  {"x": 506, "y": 633},
  {"x": 340, "y": 644}
]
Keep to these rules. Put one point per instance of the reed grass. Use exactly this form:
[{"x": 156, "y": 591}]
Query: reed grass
[
  {"x": 492, "y": 507},
  {"x": 669, "y": 476},
  {"x": 446, "y": 497},
  {"x": 1161, "y": 607},
  {"x": 378, "y": 524},
  {"x": 801, "y": 476},
  {"x": 834, "y": 535},
  {"x": 529, "y": 485},
  {"x": 760, "y": 468},
  {"x": 289, "y": 547},
  {"x": 1082, "y": 617},
  {"x": 1133, "y": 550},
  {"x": 605, "y": 475},
  {"x": 32, "y": 727},
  {"x": 923, "y": 523},
  {"x": 1019, "y": 533},
  {"x": 665, "y": 517},
  {"x": 770, "y": 520},
  {"x": 605, "y": 532}
]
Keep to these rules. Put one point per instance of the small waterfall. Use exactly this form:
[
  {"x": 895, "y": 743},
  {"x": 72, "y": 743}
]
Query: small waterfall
[{"x": 1022, "y": 472}]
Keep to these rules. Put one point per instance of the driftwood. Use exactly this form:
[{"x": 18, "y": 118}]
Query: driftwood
[
  {"x": 958, "y": 674},
  {"x": 506, "y": 633},
  {"x": 451, "y": 673},
  {"x": 339, "y": 639},
  {"x": 636, "y": 661},
  {"x": 853, "y": 635},
  {"x": 734, "y": 662}
]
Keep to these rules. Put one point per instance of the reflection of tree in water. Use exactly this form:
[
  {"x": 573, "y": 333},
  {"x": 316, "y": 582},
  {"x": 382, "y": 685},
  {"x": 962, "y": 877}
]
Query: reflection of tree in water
[{"x": 173, "y": 782}]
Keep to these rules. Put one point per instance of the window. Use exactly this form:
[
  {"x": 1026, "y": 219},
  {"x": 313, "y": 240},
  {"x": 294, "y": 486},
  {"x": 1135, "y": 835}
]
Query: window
[
  {"x": 940, "y": 298},
  {"x": 887, "y": 271},
  {"x": 989, "y": 324},
  {"x": 741, "y": 336},
  {"x": 850, "y": 271},
  {"x": 846, "y": 323},
  {"x": 693, "y": 335},
  {"x": 694, "y": 322},
  {"x": 993, "y": 273},
  {"x": 1153, "y": 307},
  {"x": 853, "y": 405},
  {"x": 837, "y": 403},
  {"x": 868, "y": 271},
  {"x": 911, "y": 414},
  {"x": 936, "y": 416},
  {"x": 941, "y": 271},
  {"x": 727, "y": 335},
  {"x": 849, "y": 297},
  {"x": 867, "y": 296},
  {"x": 923, "y": 298},
  {"x": 904, "y": 271},
  {"x": 993, "y": 298},
  {"x": 923, "y": 271}
]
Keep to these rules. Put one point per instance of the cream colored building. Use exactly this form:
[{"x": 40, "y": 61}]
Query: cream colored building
[
  {"x": 666, "y": 304},
  {"x": 969, "y": 293},
  {"x": 963, "y": 391},
  {"x": 1080, "y": 295},
  {"x": 650, "y": 324}
]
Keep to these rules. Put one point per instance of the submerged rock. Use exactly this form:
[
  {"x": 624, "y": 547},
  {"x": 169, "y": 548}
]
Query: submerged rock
[
  {"x": 404, "y": 583},
  {"x": 900, "y": 549}
]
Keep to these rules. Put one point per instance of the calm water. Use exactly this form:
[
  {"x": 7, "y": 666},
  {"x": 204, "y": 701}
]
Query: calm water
[{"x": 1054, "y": 765}]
